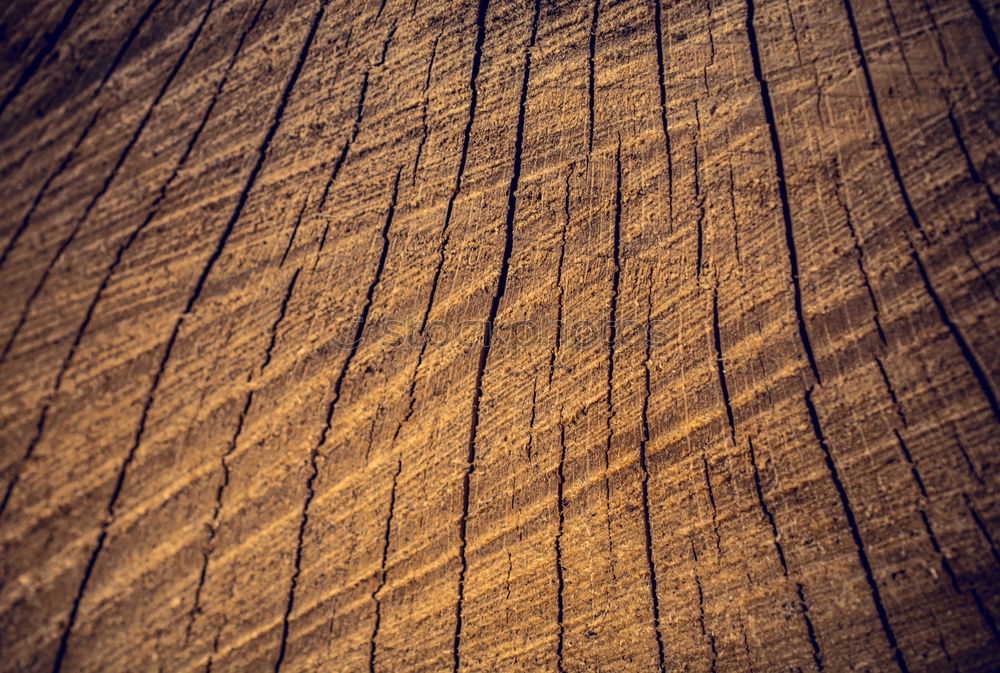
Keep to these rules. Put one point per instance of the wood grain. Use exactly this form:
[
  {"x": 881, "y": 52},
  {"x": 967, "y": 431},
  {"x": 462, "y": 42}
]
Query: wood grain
[{"x": 500, "y": 335}]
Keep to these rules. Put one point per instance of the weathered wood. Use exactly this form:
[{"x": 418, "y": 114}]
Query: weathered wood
[{"x": 500, "y": 335}]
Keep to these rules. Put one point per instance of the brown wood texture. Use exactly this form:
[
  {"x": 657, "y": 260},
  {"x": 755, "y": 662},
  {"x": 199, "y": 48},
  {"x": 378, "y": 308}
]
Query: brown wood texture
[{"x": 500, "y": 335}]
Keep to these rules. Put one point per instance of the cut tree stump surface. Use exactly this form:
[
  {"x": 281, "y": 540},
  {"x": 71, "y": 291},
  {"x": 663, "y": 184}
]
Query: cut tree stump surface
[{"x": 500, "y": 335}]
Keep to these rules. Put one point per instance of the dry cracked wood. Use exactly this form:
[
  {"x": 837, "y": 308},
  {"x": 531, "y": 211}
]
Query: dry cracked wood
[{"x": 410, "y": 335}]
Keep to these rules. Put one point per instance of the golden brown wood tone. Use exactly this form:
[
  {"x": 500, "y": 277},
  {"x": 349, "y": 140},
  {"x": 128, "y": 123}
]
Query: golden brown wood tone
[{"x": 700, "y": 304}]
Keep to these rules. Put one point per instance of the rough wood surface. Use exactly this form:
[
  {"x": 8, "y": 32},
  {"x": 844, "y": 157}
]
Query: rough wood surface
[{"x": 500, "y": 335}]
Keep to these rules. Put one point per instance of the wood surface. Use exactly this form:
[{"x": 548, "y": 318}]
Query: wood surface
[{"x": 500, "y": 335}]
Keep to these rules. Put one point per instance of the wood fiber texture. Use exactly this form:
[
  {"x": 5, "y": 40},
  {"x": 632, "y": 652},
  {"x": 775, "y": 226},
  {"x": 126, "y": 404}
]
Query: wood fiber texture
[{"x": 500, "y": 335}]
